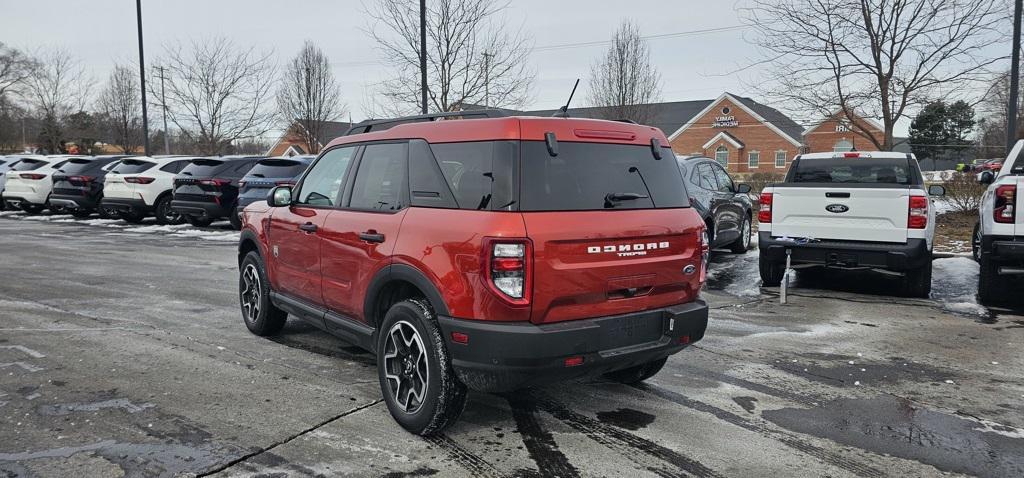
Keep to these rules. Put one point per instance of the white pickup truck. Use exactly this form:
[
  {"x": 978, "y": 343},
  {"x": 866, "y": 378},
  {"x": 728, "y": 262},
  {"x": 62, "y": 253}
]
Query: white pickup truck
[
  {"x": 998, "y": 241},
  {"x": 853, "y": 210}
]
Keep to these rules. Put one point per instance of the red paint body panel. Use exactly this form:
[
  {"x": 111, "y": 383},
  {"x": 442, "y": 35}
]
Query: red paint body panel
[{"x": 297, "y": 262}]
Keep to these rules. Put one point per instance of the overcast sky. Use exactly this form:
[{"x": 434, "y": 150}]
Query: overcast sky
[{"x": 102, "y": 33}]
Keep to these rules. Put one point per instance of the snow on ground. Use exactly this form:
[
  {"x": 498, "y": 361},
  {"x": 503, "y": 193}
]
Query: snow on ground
[
  {"x": 176, "y": 230},
  {"x": 943, "y": 206},
  {"x": 228, "y": 236},
  {"x": 955, "y": 285}
]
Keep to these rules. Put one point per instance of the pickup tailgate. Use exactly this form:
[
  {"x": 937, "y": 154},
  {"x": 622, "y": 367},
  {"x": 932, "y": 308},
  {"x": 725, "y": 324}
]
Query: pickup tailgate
[{"x": 840, "y": 213}]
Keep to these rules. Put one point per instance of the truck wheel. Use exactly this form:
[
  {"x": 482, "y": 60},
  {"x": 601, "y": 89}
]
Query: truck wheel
[
  {"x": 198, "y": 221},
  {"x": 416, "y": 377},
  {"x": 918, "y": 282},
  {"x": 259, "y": 314},
  {"x": 976, "y": 242},
  {"x": 771, "y": 272},
  {"x": 637, "y": 373},
  {"x": 742, "y": 243},
  {"x": 990, "y": 287},
  {"x": 164, "y": 214}
]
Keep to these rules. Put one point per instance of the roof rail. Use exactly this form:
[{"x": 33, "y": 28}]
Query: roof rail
[{"x": 373, "y": 125}]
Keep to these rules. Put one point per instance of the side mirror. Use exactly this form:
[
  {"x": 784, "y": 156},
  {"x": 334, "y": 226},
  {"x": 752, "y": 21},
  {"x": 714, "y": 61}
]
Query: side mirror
[
  {"x": 742, "y": 188},
  {"x": 986, "y": 177},
  {"x": 280, "y": 196},
  {"x": 936, "y": 190}
]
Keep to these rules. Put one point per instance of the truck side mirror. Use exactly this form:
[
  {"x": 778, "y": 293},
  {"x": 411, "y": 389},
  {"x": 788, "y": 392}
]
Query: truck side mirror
[
  {"x": 280, "y": 196},
  {"x": 742, "y": 188},
  {"x": 986, "y": 177},
  {"x": 936, "y": 190}
]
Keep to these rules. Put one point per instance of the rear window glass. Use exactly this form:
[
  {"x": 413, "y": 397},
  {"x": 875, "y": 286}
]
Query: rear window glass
[
  {"x": 131, "y": 166},
  {"x": 481, "y": 175},
  {"x": 175, "y": 167},
  {"x": 203, "y": 167},
  {"x": 277, "y": 168},
  {"x": 28, "y": 165},
  {"x": 76, "y": 166},
  {"x": 597, "y": 176},
  {"x": 853, "y": 171}
]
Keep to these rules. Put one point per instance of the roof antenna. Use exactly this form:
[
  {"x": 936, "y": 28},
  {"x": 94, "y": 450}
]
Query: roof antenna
[{"x": 563, "y": 111}]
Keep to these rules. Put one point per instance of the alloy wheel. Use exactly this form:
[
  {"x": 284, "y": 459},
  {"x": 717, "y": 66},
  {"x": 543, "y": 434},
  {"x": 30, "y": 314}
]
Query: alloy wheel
[
  {"x": 251, "y": 293},
  {"x": 746, "y": 234},
  {"x": 405, "y": 366}
]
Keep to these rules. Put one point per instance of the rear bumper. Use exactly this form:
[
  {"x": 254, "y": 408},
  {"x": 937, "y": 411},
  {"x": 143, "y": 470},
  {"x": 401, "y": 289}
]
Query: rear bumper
[
  {"x": 847, "y": 254},
  {"x": 1003, "y": 248},
  {"x": 201, "y": 209},
  {"x": 509, "y": 356},
  {"x": 73, "y": 202},
  {"x": 125, "y": 204}
]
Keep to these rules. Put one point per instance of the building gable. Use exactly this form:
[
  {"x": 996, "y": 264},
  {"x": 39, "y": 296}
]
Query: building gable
[{"x": 715, "y": 115}]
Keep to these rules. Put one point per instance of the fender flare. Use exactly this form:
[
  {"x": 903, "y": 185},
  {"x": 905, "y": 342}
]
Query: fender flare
[
  {"x": 408, "y": 274},
  {"x": 249, "y": 235}
]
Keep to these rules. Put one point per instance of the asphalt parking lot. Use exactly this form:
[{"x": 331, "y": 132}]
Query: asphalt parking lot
[{"x": 122, "y": 353}]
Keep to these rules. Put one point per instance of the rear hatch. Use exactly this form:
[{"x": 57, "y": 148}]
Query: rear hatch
[
  {"x": 611, "y": 229},
  {"x": 28, "y": 176},
  {"x": 269, "y": 173},
  {"x": 860, "y": 199},
  {"x": 199, "y": 182},
  {"x": 75, "y": 178},
  {"x": 121, "y": 180}
]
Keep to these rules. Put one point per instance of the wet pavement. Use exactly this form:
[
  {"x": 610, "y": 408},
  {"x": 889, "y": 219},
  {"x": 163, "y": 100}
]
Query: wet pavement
[{"x": 122, "y": 354}]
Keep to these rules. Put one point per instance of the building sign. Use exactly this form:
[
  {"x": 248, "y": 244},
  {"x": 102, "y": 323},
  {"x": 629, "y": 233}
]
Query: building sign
[
  {"x": 842, "y": 127},
  {"x": 725, "y": 122}
]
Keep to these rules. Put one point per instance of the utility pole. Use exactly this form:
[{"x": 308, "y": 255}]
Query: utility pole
[
  {"x": 163, "y": 104},
  {"x": 142, "y": 77},
  {"x": 423, "y": 55},
  {"x": 1011, "y": 118},
  {"x": 487, "y": 79},
  {"x": 311, "y": 146}
]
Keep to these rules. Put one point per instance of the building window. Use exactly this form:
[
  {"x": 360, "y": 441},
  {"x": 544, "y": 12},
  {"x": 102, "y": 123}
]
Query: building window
[
  {"x": 753, "y": 158},
  {"x": 780, "y": 159},
  {"x": 726, "y": 110},
  {"x": 722, "y": 156},
  {"x": 842, "y": 146}
]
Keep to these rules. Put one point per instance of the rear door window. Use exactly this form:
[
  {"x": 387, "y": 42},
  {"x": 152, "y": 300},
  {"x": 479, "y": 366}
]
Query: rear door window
[
  {"x": 131, "y": 166},
  {"x": 481, "y": 175},
  {"x": 895, "y": 171},
  {"x": 724, "y": 181},
  {"x": 596, "y": 176},
  {"x": 704, "y": 177},
  {"x": 277, "y": 168},
  {"x": 380, "y": 181},
  {"x": 322, "y": 184}
]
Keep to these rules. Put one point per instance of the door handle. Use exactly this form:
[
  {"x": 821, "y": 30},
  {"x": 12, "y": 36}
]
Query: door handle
[
  {"x": 371, "y": 236},
  {"x": 308, "y": 227}
]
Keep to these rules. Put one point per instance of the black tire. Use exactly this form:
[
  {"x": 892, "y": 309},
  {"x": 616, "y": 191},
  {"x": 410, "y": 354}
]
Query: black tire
[
  {"x": 976, "y": 242},
  {"x": 742, "y": 243},
  {"x": 991, "y": 289},
  {"x": 235, "y": 220},
  {"x": 442, "y": 395},
  {"x": 164, "y": 214},
  {"x": 81, "y": 213},
  {"x": 133, "y": 217},
  {"x": 260, "y": 315},
  {"x": 771, "y": 272},
  {"x": 918, "y": 282},
  {"x": 32, "y": 208},
  {"x": 198, "y": 221},
  {"x": 637, "y": 373},
  {"x": 108, "y": 213}
]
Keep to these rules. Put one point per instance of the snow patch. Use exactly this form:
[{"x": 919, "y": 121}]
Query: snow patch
[
  {"x": 226, "y": 236},
  {"x": 955, "y": 285}
]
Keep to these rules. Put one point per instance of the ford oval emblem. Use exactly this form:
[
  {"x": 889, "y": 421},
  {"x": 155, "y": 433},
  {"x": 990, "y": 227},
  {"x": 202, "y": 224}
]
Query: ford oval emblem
[
  {"x": 837, "y": 208},
  {"x": 689, "y": 269}
]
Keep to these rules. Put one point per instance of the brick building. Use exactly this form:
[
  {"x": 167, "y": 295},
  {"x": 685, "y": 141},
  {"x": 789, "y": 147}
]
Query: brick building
[{"x": 291, "y": 142}]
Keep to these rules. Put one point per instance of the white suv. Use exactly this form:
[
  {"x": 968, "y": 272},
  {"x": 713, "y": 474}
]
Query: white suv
[
  {"x": 30, "y": 182},
  {"x": 141, "y": 186},
  {"x": 855, "y": 210},
  {"x": 998, "y": 241}
]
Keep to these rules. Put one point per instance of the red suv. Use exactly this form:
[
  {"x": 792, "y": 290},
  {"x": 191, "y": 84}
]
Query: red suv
[{"x": 488, "y": 254}]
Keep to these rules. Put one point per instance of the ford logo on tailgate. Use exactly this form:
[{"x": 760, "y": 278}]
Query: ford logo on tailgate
[{"x": 837, "y": 208}]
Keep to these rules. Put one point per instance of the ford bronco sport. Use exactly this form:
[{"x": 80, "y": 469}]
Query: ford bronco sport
[{"x": 488, "y": 254}]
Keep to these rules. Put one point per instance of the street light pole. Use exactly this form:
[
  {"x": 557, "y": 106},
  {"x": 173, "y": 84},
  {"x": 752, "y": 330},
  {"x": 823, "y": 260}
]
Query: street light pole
[
  {"x": 163, "y": 104},
  {"x": 1011, "y": 117},
  {"x": 423, "y": 56},
  {"x": 142, "y": 77}
]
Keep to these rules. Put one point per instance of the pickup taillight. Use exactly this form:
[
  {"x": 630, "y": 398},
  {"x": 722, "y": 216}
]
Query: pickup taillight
[
  {"x": 1005, "y": 210},
  {"x": 508, "y": 268},
  {"x": 764, "y": 212},
  {"x": 917, "y": 212}
]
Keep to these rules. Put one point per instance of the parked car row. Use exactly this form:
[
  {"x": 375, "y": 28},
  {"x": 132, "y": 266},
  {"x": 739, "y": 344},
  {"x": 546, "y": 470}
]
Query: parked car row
[{"x": 173, "y": 189}]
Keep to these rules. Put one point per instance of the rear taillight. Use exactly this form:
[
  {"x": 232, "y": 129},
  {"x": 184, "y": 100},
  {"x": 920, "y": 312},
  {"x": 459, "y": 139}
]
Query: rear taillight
[
  {"x": 32, "y": 176},
  {"x": 81, "y": 179},
  {"x": 705, "y": 253},
  {"x": 285, "y": 183},
  {"x": 215, "y": 182},
  {"x": 139, "y": 180},
  {"x": 851, "y": 155},
  {"x": 508, "y": 269},
  {"x": 917, "y": 212},
  {"x": 1006, "y": 200},
  {"x": 764, "y": 213}
]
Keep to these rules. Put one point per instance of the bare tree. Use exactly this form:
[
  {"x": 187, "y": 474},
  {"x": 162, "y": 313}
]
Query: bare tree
[
  {"x": 994, "y": 110},
  {"x": 879, "y": 59},
  {"x": 57, "y": 87},
  {"x": 309, "y": 96},
  {"x": 218, "y": 93},
  {"x": 120, "y": 102},
  {"x": 15, "y": 68},
  {"x": 473, "y": 58},
  {"x": 624, "y": 81}
]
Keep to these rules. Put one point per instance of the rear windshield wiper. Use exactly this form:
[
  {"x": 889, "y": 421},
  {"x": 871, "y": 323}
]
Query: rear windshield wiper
[{"x": 611, "y": 198}]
